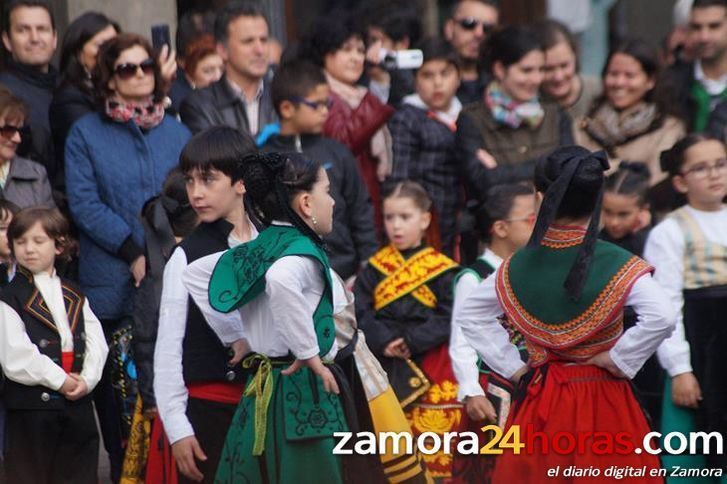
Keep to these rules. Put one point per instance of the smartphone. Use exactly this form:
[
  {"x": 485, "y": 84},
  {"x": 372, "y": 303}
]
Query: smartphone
[
  {"x": 403, "y": 59},
  {"x": 160, "y": 36}
]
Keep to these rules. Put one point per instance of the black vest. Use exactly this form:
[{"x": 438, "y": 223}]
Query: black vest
[
  {"x": 204, "y": 357},
  {"x": 25, "y": 299}
]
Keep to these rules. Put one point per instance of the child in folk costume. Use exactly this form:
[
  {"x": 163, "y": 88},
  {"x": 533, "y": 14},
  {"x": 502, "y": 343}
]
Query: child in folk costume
[
  {"x": 403, "y": 306},
  {"x": 505, "y": 225},
  {"x": 284, "y": 425},
  {"x": 627, "y": 222},
  {"x": 196, "y": 382},
  {"x": 565, "y": 294},
  {"x": 52, "y": 352},
  {"x": 689, "y": 251}
]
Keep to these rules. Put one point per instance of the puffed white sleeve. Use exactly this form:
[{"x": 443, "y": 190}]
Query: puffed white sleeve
[
  {"x": 96, "y": 348},
  {"x": 284, "y": 284},
  {"x": 478, "y": 318},
  {"x": 665, "y": 251},
  {"x": 463, "y": 356},
  {"x": 196, "y": 278},
  {"x": 20, "y": 359},
  {"x": 655, "y": 322}
]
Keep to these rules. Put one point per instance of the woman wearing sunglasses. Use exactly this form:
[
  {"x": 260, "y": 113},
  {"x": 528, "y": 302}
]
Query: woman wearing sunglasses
[
  {"x": 22, "y": 181},
  {"x": 115, "y": 161}
]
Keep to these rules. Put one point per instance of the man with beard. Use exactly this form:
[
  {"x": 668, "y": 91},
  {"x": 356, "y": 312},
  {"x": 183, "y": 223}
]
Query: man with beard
[
  {"x": 702, "y": 84},
  {"x": 466, "y": 29}
]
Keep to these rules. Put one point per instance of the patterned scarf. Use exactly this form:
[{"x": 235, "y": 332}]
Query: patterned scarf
[
  {"x": 611, "y": 128},
  {"x": 146, "y": 114},
  {"x": 511, "y": 113}
]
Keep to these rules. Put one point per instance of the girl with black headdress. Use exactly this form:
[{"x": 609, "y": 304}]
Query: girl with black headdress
[
  {"x": 565, "y": 294},
  {"x": 283, "y": 430}
]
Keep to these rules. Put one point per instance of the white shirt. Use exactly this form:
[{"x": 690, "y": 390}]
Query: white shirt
[
  {"x": 713, "y": 86},
  {"x": 478, "y": 314},
  {"x": 252, "y": 106},
  {"x": 169, "y": 388},
  {"x": 665, "y": 251},
  {"x": 21, "y": 360},
  {"x": 279, "y": 320},
  {"x": 462, "y": 354}
]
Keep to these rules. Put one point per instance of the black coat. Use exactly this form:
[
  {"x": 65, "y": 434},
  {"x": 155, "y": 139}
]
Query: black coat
[
  {"x": 422, "y": 328},
  {"x": 70, "y": 103},
  {"x": 35, "y": 88},
  {"x": 353, "y": 239},
  {"x": 217, "y": 104}
]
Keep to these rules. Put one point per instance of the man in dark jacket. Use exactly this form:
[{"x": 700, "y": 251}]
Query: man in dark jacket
[
  {"x": 29, "y": 36},
  {"x": 300, "y": 93},
  {"x": 241, "y": 98},
  {"x": 702, "y": 84}
]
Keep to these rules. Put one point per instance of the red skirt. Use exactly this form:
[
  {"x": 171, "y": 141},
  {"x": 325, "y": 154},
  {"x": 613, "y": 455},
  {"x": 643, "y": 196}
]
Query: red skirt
[{"x": 582, "y": 421}]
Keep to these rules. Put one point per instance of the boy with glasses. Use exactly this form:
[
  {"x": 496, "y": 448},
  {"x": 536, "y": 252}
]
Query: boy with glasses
[
  {"x": 466, "y": 29},
  {"x": 301, "y": 97}
]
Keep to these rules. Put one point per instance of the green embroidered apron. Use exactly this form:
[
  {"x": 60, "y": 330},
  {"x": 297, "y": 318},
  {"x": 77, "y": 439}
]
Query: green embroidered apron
[{"x": 283, "y": 428}]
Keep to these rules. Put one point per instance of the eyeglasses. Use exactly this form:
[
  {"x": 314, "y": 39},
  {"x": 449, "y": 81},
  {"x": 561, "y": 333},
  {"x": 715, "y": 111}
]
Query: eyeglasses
[
  {"x": 128, "y": 70},
  {"x": 312, "y": 104},
  {"x": 530, "y": 219},
  {"x": 471, "y": 23},
  {"x": 8, "y": 131},
  {"x": 703, "y": 170}
]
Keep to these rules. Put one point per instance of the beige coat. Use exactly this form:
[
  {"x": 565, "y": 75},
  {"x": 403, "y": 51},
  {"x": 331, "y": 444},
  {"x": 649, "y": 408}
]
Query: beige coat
[{"x": 646, "y": 148}]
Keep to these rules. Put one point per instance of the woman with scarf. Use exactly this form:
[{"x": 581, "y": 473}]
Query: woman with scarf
[
  {"x": 565, "y": 293},
  {"x": 500, "y": 138},
  {"x": 632, "y": 119},
  {"x": 115, "y": 161}
]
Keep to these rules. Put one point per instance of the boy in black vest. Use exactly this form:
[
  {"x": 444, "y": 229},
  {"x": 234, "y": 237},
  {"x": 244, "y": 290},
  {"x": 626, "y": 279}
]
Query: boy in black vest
[
  {"x": 196, "y": 383},
  {"x": 52, "y": 351}
]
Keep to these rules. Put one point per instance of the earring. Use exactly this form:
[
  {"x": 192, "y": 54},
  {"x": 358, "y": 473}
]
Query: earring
[{"x": 313, "y": 219}]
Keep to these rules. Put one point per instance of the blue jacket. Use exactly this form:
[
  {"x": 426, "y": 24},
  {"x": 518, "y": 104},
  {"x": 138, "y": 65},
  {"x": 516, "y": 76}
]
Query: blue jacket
[{"x": 111, "y": 170}]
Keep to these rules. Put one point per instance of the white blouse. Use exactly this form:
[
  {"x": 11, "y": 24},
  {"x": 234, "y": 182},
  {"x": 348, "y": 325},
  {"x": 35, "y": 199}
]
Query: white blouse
[
  {"x": 21, "y": 360},
  {"x": 462, "y": 354},
  {"x": 665, "y": 251},
  {"x": 477, "y": 316}
]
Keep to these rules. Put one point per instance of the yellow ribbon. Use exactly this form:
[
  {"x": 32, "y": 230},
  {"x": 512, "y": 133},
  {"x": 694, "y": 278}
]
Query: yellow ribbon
[{"x": 260, "y": 388}]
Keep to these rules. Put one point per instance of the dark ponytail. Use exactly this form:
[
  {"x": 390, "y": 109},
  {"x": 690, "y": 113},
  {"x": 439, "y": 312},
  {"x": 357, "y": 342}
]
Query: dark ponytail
[
  {"x": 272, "y": 180},
  {"x": 572, "y": 180}
]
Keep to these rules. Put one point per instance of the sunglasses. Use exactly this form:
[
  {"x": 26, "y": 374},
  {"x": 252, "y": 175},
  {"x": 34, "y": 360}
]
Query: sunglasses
[
  {"x": 128, "y": 70},
  {"x": 312, "y": 104},
  {"x": 8, "y": 131},
  {"x": 471, "y": 23}
]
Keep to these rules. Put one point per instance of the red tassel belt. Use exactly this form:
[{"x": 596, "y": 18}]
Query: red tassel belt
[{"x": 229, "y": 393}]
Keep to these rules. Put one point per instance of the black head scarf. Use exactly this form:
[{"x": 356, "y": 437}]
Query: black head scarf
[{"x": 556, "y": 174}]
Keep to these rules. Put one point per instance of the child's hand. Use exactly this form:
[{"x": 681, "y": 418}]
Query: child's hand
[
  {"x": 68, "y": 386},
  {"x": 317, "y": 367},
  {"x": 186, "y": 452},
  {"x": 239, "y": 349},
  {"x": 397, "y": 349},
  {"x": 480, "y": 408},
  {"x": 685, "y": 390},
  {"x": 603, "y": 360},
  {"x": 81, "y": 389}
]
